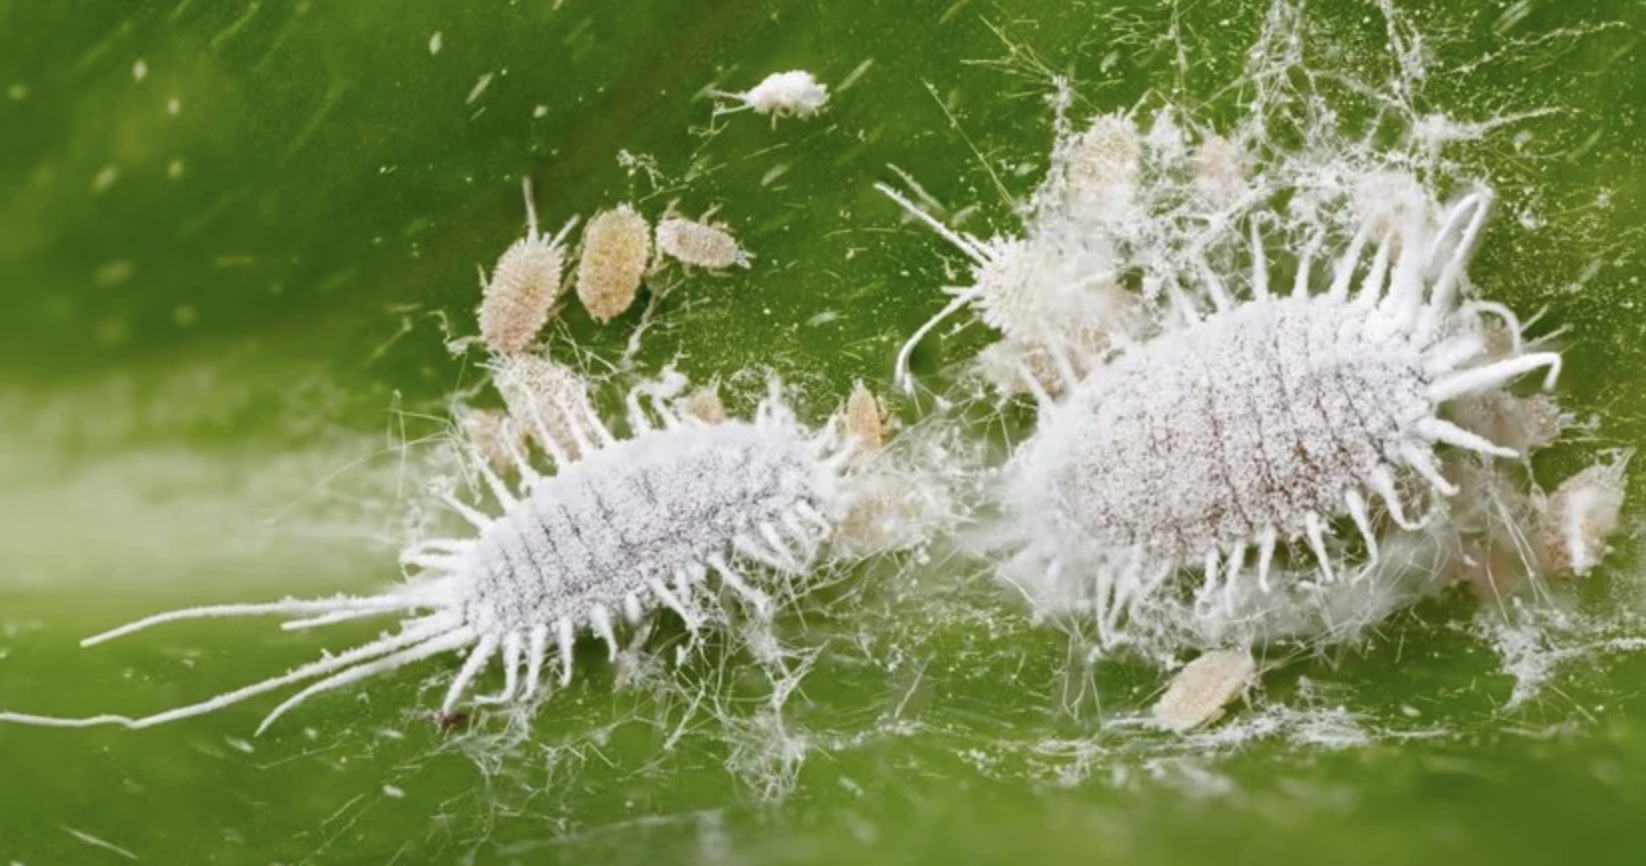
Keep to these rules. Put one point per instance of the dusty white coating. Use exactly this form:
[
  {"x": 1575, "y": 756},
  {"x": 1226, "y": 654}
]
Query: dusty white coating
[
  {"x": 1205, "y": 437},
  {"x": 795, "y": 93},
  {"x": 542, "y": 396},
  {"x": 665, "y": 519},
  {"x": 1049, "y": 293},
  {"x": 1211, "y": 447},
  {"x": 643, "y": 510},
  {"x": 1092, "y": 184}
]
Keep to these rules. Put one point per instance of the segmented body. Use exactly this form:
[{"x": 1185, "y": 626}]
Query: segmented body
[
  {"x": 1198, "y": 694},
  {"x": 1581, "y": 515},
  {"x": 1253, "y": 420},
  {"x": 665, "y": 519},
  {"x": 540, "y": 393},
  {"x": 617, "y": 246},
  {"x": 620, "y": 527},
  {"x": 1050, "y": 295},
  {"x": 520, "y": 294},
  {"x": 698, "y": 243},
  {"x": 863, "y": 419},
  {"x": 1212, "y": 446}
]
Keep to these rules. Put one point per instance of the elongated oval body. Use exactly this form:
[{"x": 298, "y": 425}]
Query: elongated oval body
[
  {"x": 519, "y": 295},
  {"x": 863, "y": 419},
  {"x": 683, "y": 517},
  {"x": 1581, "y": 515},
  {"x": 704, "y": 405},
  {"x": 1216, "y": 443},
  {"x": 698, "y": 244},
  {"x": 793, "y": 93},
  {"x": 617, "y": 246},
  {"x": 1198, "y": 694},
  {"x": 1208, "y": 435},
  {"x": 641, "y": 511},
  {"x": 540, "y": 393}
]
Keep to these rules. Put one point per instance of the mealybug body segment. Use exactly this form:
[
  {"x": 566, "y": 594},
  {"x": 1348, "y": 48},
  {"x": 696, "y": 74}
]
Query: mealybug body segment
[{"x": 1581, "y": 515}]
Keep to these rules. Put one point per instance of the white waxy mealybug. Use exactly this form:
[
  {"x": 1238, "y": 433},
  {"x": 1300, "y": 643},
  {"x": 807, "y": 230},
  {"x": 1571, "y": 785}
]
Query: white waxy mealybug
[
  {"x": 697, "y": 243},
  {"x": 795, "y": 93},
  {"x": 1215, "y": 444},
  {"x": 523, "y": 286},
  {"x": 674, "y": 517},
  {"x": 1015, "y": 368},
  {"x": 1199, "y": 693},
  {"x": 1524, "y": 423},
  {"x": 1092, "y": 185},
  {"x": 617, "y": 247},
  {"x": 1048, "y": 294},
  {"x": 1580, "y": 516}
]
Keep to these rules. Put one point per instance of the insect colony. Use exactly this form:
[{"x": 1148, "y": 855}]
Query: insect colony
[{"x": 1221, "y": 459}]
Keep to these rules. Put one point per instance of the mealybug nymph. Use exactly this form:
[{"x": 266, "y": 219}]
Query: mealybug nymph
[
  {"x": 617, "y": 247},
  {"x": 698, "y": 243},
  {"x": 796, "y": 93},
  {"x": 1197, "y": 695},
  {"x": 523, "y": 286}
]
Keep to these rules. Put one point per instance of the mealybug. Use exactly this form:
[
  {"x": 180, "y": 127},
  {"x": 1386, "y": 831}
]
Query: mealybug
[
  {"x": 794, "y": 93},
  {"x": 1197, "y": 695},
  {"x": 1213, "y": 445},
  {"x": 698, "y": 242},
  {"x": 617, "y": 247},
  {"x": 523, "y": 286},
  {"x": 668, "y": 518}
]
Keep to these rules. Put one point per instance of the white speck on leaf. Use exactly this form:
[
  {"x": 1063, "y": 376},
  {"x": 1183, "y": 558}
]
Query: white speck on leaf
[
  {"x": 478, "y": 88},
  {"x": 105, "y": 178}
]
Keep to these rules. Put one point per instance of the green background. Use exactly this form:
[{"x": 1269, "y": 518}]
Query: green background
[{"x": 226, "y": 288}]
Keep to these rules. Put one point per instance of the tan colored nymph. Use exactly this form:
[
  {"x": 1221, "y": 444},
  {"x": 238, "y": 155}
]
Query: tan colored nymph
[
  {"x": 617, "y": 245},
  {"x": 523, "y": 286},
  {"x": 697, "y": 243}
]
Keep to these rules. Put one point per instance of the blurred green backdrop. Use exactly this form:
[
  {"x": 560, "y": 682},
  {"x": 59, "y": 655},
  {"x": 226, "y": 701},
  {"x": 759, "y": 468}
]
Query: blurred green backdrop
[{"x": 233, "y": 237}]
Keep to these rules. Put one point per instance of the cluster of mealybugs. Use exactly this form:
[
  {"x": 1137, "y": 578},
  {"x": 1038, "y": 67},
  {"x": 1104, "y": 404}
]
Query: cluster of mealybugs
[{"x": 1218, "y": 461}]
